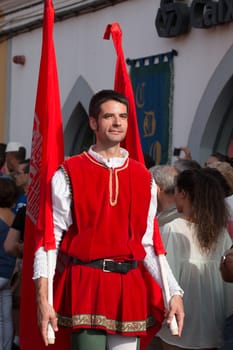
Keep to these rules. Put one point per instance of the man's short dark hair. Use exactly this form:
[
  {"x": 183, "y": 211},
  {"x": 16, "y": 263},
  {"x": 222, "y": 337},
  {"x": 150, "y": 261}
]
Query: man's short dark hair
[{"x": 104, "y": 96}]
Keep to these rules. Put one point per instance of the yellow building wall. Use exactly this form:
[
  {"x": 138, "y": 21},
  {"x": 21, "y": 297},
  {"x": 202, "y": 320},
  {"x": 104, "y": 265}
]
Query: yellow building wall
[{"x": 3, "y": 87}]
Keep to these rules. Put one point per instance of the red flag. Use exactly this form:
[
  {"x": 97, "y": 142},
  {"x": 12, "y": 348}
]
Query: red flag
[
  {"x": 123, "y": 85},
  {"x": 46, "y": 154}
]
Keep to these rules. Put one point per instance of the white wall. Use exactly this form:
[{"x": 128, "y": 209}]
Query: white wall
[{"x": 82, "y": 51}]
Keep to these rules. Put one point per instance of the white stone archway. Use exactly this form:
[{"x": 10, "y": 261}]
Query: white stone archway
[
  {"x": 77, "y": 134},
  {"x": 212, "y": 128}
]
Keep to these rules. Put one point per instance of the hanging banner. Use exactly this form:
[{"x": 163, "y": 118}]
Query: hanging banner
[{"x": 152, "y": 81}]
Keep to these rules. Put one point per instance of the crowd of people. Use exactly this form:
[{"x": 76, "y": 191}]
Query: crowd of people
[
  {"x": 179, "y": 223},
  {"x": 14, "y": 180},
  {"x": 195, "y": 218}
]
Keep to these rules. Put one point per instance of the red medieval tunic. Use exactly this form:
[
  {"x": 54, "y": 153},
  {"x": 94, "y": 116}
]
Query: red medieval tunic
[{"x": 110, "y": 211}]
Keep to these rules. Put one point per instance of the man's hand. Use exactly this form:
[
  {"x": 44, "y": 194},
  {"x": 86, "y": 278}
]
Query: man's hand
[
  {"x": 45, "y": 312},
  {"x": 187, "y": 153},
  {"x": 177, "y": 310},
  {"x": 226, "y": 266}
]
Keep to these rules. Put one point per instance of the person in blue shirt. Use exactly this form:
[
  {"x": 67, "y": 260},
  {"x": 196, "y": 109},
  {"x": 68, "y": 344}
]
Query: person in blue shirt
[
  {"x": 21, "y": 176},
  {"x": 8, "y": 194}
]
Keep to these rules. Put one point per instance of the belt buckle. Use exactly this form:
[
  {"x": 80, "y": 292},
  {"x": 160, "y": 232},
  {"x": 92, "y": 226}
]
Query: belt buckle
[{"x": 104, "y": 265}]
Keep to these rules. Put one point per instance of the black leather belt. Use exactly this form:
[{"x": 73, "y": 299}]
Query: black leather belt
[{"x": 108, "y": 265}]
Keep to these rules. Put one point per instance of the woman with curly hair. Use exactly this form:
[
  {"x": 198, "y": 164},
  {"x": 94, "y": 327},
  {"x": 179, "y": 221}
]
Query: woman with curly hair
[
  {"x": 226, "y": 171},
  {"x": 195, "y": 243}
]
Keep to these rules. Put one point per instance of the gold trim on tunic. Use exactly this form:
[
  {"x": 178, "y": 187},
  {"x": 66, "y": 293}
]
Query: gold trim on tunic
[
  {"x": 100, "y": 321},
  {"x": 113, "y": 179}
]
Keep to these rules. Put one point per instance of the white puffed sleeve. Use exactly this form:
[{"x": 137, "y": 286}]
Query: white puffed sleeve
[
  {"x": 61, "y": 199},
  {"x": 151, "y": 261}
]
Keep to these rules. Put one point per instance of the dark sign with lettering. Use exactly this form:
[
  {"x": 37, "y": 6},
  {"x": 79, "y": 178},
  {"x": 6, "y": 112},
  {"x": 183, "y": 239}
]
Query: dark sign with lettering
[
  {"x": 172, "y": 19},
  {"x": 175, "y": 18}
]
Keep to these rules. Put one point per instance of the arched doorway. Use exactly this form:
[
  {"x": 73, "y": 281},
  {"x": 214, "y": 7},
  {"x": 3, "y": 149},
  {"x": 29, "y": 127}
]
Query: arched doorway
[
  {"x": 77, "y": 134},
  {"x": 212, "y": 129}
]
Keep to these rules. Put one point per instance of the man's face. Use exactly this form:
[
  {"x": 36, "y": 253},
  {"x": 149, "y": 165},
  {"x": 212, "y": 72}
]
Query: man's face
[
  {"x": 112, "y": 123},
  {"x": 11, "y": 163},
  {"x": 21, "y": 178}
]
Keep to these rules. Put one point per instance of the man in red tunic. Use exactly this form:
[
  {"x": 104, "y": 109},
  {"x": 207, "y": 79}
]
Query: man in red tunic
[{"x": 104, "y": 210}]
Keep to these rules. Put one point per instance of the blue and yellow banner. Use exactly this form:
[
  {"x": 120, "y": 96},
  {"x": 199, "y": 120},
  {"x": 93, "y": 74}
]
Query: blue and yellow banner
[{"x": 152, "y": 80}]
